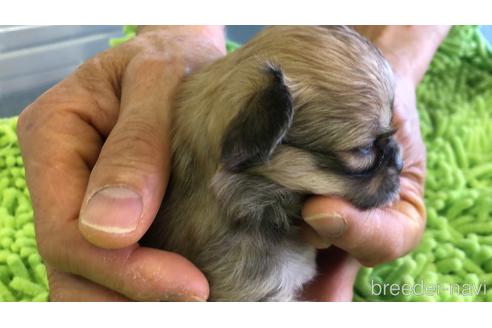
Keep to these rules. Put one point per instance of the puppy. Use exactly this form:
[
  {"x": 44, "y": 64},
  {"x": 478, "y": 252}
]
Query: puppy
[{"x": 296, "y": 111}]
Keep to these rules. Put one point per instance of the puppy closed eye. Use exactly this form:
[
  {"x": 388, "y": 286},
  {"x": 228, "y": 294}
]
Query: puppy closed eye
[
  {"x": 363, "y": 157},
  {"x": 364, "y": 151},
  {"x": 360, "y": 158},
  {"x": 370, "y": 149}
]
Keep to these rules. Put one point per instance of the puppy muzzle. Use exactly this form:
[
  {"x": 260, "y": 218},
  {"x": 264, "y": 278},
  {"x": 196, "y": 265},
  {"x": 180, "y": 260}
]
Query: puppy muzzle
[{"x": 392, "y": 154}]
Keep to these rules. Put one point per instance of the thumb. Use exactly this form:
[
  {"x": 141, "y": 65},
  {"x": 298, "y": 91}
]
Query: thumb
[
  {"x": 326, "y": 216},
  {"x": 128, "y": 181},
  {"x": 372, "y": 236}
]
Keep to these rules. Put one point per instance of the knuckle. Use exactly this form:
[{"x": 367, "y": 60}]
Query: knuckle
[
  {"x": 152, "y": 57},
  {"x": 23, "y": 120},
  {"x": 53, "y": 245},
  {"x": 381, "y": 241},
  {"x": 138, "y": 143},
  {"x": 37, "y": 116},
  {"x": 153, "y": 60}
]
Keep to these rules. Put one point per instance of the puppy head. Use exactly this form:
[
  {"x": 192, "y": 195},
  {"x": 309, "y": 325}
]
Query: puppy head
[{"x": 319, "y": 121}]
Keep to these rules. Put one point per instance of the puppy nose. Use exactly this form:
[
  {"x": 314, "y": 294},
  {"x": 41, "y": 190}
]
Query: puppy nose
[
  {"x": 398, "y": 162},
  {"x": 397, "y": 158}
]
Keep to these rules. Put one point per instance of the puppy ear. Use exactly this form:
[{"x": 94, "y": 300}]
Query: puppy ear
[{"x": 254, "y": 133}]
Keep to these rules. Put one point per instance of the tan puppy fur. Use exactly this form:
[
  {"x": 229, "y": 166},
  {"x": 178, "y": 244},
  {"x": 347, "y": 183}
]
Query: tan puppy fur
[{"x": 296, "y": 111}]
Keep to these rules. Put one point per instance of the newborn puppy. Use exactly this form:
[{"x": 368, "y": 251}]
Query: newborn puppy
[{"x": 297, "y": 111}]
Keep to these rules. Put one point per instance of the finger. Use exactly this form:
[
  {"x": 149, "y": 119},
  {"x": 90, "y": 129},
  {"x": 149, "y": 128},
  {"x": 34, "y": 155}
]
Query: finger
[
  {"x": 309, "y": 235},
  {"x": 70, "y": 288},
  {"x": 336, "y": 277},
  {"x": 139, "y": 273},
  {"x": 373, "y": 236},
  {"x": 127, "y": 184},
  {"x": 60, "y": 137}
]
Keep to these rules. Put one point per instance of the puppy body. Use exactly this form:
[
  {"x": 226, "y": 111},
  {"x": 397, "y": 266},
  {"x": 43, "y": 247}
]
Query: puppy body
[{"x": 297, "y": 111}]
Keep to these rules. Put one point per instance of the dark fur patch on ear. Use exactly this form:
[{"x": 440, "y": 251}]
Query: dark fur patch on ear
[{"x": 256, "y": 131}]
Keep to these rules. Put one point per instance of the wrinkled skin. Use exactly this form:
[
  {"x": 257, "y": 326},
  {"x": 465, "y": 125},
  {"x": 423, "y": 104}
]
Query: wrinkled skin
[
  {"x": 379, "y": 235},
  {"x": 109, "y": 123}
]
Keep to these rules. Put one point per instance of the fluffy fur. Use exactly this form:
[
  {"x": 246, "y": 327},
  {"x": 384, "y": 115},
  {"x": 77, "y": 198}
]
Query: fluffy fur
[{"x": 296, "y": 111}]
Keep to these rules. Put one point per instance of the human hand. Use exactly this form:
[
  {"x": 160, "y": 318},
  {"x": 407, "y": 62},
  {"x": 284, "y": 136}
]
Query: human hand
[
  {"x": 378, "y": 235},
  {"x": 96, "y": 154}
]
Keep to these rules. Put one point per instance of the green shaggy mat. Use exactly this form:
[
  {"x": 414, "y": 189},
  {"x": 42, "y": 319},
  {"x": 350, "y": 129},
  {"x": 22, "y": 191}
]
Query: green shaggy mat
[
  {"x": 22, "y": 274},
  {"x": 454, "y": 260}
]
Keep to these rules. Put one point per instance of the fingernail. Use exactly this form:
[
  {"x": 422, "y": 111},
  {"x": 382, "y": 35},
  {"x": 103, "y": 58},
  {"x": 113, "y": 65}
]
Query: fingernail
[
  {"x": 113, "y": 209},
  {"x": 328, "y": 225}
]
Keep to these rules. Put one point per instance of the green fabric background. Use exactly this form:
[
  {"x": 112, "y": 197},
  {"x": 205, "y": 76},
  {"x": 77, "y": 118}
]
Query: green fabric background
[{"x": 455, "y": 255}]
